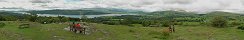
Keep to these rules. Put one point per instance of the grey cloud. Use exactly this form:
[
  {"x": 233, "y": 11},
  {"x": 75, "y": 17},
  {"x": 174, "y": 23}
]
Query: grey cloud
[
  {"x": 179, "y": 1},
  {"x": 2, "y": 1},
  {"x": 41, "y": 1}
]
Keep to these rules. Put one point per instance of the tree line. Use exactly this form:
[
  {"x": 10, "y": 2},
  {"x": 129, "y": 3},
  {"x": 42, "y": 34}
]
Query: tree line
[
  {"x": 154, "y": 19},
  {"x": 164, "y": 19},
  {"x": 5, "y": 16}
]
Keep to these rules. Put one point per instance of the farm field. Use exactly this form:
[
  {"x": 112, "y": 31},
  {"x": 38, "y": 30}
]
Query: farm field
[{"x": 116, "y": 32}]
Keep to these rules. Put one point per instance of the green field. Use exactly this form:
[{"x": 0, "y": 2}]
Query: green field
[{"x": 116, "y": 32}]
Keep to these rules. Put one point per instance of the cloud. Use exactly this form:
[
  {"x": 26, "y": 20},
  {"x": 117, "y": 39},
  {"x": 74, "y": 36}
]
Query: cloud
[
  {"x": 40, "y": 1},
  {"x": 145, "y": 5}
]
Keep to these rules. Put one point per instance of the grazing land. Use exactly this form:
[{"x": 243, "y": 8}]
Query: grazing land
[{"x": 38, "y": 31}]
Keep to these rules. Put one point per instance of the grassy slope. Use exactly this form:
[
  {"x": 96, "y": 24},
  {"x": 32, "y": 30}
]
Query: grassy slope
[
  {"x": 116, "y": 32},
  {"x": 208, "y": 33}
]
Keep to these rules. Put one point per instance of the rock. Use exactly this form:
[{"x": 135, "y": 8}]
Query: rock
[
  {"x": 67, "y": 28},
  {"x": 55, "y": 36}
]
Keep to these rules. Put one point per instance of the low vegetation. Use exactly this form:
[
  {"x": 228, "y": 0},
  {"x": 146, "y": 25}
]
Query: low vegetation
[
  {"x": 241, "y": 27},
  {"x": 2, "y": 24},
  {"x": 219, "y": 22},
  {"x": 147, "y": 26},
  {"x": 117, "y": 32}
]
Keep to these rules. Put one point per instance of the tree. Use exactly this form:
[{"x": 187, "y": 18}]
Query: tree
[
  {"x": 32, "y": 18},
  {"x": 146, "y": 23},
  {"x": 65, "y": 19},
  {"x": 2, "y": 24},
  {"x": 7, "y": 18},
  {"x": 84, "y": 18},
  {"x": 219, "y": 21}
]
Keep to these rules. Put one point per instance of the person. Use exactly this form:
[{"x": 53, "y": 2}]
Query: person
[
  {"x": 173, "y": 28},
  {"x": 72, "y": 26},
  {"x": 78, "y": 27},
  {"x": 170, "y": 29}
]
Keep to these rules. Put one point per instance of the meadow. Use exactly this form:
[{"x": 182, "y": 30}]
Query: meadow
[{"x": 55, "y": 31}]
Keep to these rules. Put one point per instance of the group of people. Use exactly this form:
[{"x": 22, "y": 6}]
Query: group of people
[
  {"x": 77, "y": 27},
  {"x": 171, "y": 28}
]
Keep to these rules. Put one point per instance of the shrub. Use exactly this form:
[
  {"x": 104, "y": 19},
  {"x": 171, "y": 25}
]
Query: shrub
[
  {"x": 166, "y": 23},
  {"x": 241, "y": 27},
  {"x": 219, "y": 21},
  {"x": 235, "y": 23},
  {"x": 137, "y": 25},
  {"x": 190, "y": 23},
  {"x": 2, "y": 24}
]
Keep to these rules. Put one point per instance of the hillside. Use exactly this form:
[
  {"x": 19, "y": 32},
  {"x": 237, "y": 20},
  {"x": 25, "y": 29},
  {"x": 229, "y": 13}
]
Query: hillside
[
  {"x": 68, "y": 12},
  {"x": 114, "y": 10},
  {"x": 87, "y": 11},
  {"x": 151, "y": 26},
  {"x": 116, "y": 32}
]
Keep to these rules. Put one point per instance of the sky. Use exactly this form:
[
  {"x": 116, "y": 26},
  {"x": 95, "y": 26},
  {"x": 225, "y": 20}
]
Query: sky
[{"x": 145, "y": 5}]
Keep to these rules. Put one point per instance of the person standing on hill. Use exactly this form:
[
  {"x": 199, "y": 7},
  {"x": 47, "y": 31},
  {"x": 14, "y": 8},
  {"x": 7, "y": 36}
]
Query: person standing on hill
[
  {"x": 171, "y": 26},
  {"x": 170, "y": 29},
  {"x": 72, "y": 26}
]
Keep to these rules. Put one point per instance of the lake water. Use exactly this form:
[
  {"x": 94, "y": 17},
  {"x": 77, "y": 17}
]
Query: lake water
[{"x": 78, "y": 16}]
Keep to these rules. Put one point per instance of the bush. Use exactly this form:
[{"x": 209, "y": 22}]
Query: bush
[
  {"x": 2, "y": 24},
  {"x": 191, "y": 24},
  {"x": 111, "y": 22},
  {"x": 166, "y": 23},
  {"x": 241, "y": 27},
  {"x": 137, "y": 25},
  {"x": 235, "y": 23},
  {"x": 219, "y": 22}
]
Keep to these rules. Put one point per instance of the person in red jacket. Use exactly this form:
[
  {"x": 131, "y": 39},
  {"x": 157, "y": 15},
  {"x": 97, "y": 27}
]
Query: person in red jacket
[{"x": 78, "y": 26}]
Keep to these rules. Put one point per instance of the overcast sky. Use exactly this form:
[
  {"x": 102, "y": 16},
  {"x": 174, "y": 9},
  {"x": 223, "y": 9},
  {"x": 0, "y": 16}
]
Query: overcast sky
[{"x": 145, "y": 5}]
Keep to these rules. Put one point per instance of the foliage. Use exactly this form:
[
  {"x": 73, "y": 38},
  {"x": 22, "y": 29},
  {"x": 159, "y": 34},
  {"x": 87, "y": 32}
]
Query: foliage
[
  {"x": 241, "y": 27},
  {"x": 219, "y": 21},
  {"x": 58, "y": 19},
  {"x": 235, "y": 23},
  {"x": 32, "y": 18},
  {"x": 152, "y": 19},
  {"x": 7, "y": 18},
  {"x": 190, "y": 23},
  {"x": 2, "y": 24}
]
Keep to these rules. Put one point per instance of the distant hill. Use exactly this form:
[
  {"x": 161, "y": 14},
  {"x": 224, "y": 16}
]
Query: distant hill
[
  {"x": 174, "y": 13},
  {"x": 193, "y": 14},
  {"x": 114, "y": 10},
  {"x": 68, "y": 12},
  {"x": 9, "y": 14},
  {"x": 86, "y": 11}
]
